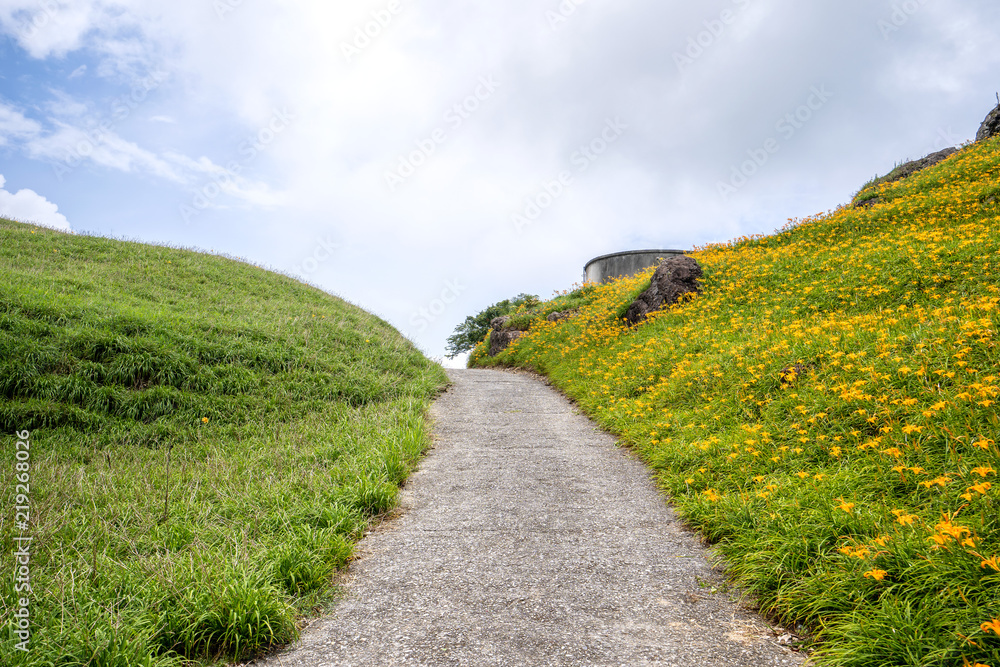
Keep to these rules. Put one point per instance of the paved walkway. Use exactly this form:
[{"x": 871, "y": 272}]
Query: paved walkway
[{"x": 528, "y": 538}]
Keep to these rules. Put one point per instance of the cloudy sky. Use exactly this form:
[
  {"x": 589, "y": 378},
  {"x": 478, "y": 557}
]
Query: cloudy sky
[{"x": 424, "y": 159}]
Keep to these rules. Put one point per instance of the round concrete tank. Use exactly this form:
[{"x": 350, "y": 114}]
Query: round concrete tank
[{"x": 608, "y": 267}]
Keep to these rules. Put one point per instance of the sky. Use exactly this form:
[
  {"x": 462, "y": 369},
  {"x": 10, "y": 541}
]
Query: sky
[{"x": 427, "y": 159}]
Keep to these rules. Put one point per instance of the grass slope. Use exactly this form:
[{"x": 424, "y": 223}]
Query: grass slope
[
  {"x": 826, "y": 412},
  {"x": 207, "y": 442}
]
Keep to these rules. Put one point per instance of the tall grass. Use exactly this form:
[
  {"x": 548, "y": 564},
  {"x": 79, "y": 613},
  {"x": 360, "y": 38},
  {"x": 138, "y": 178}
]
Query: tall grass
[
  {"x": 825, "y": 411},
  {"x": 208, "y": 441}
]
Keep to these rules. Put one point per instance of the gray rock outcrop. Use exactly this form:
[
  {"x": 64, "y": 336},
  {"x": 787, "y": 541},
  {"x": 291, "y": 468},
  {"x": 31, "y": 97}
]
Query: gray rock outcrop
[
  {"x": 557, "y": 316},
  {"x": 990, "y": 126},
  {"x": 904, "y": 170},
  {"x": 908, "y": 169},
  {"x": 502, "y": 334},
  {"x": 674, "y": 278}
]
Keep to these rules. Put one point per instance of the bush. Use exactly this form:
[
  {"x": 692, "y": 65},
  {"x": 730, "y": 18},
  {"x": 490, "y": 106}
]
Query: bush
[{"x": 471, "y": 332}]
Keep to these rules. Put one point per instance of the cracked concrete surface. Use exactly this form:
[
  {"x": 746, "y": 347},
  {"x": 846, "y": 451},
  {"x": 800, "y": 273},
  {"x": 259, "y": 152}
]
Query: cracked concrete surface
[{"x": 528, "y": 538}]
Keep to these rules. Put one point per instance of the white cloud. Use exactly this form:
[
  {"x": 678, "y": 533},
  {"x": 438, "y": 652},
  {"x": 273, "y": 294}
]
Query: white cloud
[
  {"x": 54, "y": 28},
  {"x": 13, "y": 125},
  {"x": 69, "y": 146},
  {"x": 211, "y": 180},
  {"x": 29, "y": 206},
  {"x": 49, "y": 27},
  {"x": 64, "y": 105},
  {"x": 656, "y": 186}
]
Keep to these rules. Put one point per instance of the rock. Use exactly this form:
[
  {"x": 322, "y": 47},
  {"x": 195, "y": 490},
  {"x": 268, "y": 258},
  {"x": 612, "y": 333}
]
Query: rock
[
  {"x": 557, "y": 316},
  {"x": 868, "y": 203},
  {"x": 501, "y": 340},
  {"x": 503, "y": 334},
  {"x": 498, "y": 323},
  {"x": 789, "y": 374},
  {"x": 904, "y": 170},
  {"x": 675, "y": 277},
  {"x": 990, "y": 126},
  {"x": 908, "y": 169}
]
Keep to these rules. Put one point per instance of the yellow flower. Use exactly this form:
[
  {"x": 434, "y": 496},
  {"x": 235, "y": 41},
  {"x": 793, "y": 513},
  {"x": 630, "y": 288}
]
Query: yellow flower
[
  {"x": 980, "y": 488},
  {"x": 948, "y": 531},
  {"x": 844, "y": 505},
  {"x": 204, "y": 420},
  {"x": 937, "y": 481},
  {"x": 991, "y": 562},
  {"x": 993, "y": 625},
  {"x": 877, "y": 575},
  {"x": 983, "y": 471}
]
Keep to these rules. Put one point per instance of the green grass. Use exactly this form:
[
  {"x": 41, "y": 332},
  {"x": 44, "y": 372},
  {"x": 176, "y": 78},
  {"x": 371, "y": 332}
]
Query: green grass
[
  {"x": 208, "y": 441},
  {"x": 859, "y": 494}
]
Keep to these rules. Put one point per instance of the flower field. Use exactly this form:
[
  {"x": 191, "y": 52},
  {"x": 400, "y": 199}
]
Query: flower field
[{"x": 826, "y": 412}]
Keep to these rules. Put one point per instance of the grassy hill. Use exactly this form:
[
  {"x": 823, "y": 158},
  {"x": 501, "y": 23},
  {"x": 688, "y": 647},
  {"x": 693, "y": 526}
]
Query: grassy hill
[
  {"x": 206, "y": 442},
  {"x": 825, "y": 411}
]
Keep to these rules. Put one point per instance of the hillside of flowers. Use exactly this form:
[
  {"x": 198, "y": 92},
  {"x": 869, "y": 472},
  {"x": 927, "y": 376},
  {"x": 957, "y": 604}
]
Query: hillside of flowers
[{"x": 825, "y": 412}]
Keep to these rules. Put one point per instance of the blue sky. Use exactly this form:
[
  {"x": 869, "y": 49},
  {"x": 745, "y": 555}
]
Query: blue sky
[{"x": 425, "y": 160}]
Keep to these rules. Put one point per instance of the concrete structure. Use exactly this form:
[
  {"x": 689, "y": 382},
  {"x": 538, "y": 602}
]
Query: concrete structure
[{"x": 607, "y": 267}]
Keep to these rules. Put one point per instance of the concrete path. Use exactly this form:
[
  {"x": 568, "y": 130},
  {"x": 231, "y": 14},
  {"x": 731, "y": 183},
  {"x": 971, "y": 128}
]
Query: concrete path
[{"x": 528, "y": 538}]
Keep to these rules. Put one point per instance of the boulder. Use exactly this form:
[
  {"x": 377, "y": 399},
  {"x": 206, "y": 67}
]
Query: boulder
[
  {"x": 675, "y": 277},
  {"x": 499, "y": 323},
  {"x": 990, "y": 126},
  {"x": 904, "y": 170},
  {"x": 908, "y": 169},
  {"x": 502, "y": 334},
  {"x": 500, "y": 340},
  {"x": 557, "y": 316}
]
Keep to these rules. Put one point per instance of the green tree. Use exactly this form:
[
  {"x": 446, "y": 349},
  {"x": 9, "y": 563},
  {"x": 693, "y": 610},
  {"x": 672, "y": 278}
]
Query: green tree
[{"x": 469, "y": 333}]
